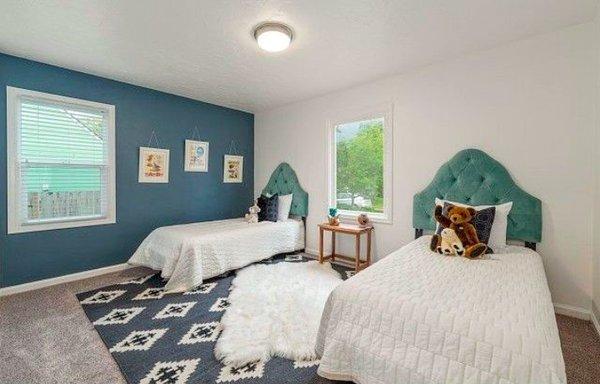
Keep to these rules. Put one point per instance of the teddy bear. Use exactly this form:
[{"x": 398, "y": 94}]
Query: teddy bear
[
  {"x": 450, "y": 244},
  {"x": 459, "y": 220},
  {"x": 252, "y": 217}
]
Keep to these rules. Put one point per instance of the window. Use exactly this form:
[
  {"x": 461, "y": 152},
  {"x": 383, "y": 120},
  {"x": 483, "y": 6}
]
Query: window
[
  {"x": 61, "y": 169},
  {"x": 360, "y": 165}
]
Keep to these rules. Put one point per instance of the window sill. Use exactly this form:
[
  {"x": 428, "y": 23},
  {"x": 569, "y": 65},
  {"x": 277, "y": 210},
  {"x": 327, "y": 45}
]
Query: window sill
[
  {"x": 350, "y": 216},
  {"x": 50, "y": 226}
]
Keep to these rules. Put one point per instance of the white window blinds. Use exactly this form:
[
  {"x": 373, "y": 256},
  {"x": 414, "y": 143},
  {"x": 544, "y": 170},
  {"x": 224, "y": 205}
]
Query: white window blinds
[{"x": 62, "y": 162}]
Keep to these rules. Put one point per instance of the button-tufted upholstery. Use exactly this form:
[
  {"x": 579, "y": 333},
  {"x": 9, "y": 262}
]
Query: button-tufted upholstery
[
  {"x": 284, "y": 181},
  {"x": 472, "y": 177}
]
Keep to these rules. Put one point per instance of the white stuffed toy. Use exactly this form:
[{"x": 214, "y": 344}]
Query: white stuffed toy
[
  {"x": 450, "y": 244},
  {"x": 252, "y": 217}
]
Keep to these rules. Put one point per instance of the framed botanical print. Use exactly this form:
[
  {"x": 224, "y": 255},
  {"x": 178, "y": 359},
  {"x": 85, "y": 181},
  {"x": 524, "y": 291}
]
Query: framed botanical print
[
  {"x": 154, "y": 165},
  {"x": 196, "y": 156},
  {"x": 233, "y": 169}
]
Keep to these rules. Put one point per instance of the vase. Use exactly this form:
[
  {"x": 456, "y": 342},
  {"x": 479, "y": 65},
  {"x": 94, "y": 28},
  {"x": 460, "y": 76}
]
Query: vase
[{"x": 334, "y": 220}]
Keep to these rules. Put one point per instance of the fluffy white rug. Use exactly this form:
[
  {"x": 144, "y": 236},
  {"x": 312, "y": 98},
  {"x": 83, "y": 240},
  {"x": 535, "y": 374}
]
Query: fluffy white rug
[{"x": 275, "y": 310}]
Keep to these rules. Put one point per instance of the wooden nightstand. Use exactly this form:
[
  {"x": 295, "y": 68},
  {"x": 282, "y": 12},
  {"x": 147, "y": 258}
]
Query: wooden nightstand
[{"x": 348, "y": 229}]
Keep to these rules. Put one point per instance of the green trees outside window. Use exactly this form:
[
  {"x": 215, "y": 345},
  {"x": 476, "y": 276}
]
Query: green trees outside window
[{"x": 359, "y": 165}]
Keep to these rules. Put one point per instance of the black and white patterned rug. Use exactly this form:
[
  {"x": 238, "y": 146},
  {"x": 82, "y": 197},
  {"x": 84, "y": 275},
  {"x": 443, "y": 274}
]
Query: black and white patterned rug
[{"x": 159, "y": 338}]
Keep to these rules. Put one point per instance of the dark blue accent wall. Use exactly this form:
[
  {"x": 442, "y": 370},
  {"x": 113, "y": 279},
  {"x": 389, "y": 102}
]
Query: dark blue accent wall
[{"x": 188, "y": 197}]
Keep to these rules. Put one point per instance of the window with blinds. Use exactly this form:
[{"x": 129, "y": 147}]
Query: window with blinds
[{"x": 61, "y": 161}]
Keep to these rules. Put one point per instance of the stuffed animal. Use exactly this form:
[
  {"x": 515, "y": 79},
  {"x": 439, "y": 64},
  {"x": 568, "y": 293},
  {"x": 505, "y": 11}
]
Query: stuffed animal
[
  {"x": 459, "y": 220},
  {"x": 252, "y": 217},
  {"x": 450, "y": 244}
]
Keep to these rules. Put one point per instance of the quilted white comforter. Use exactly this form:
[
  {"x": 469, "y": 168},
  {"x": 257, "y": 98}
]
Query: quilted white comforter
[
  {"x": 189, "y": 253},
  {"x": 418, "y": 317}
]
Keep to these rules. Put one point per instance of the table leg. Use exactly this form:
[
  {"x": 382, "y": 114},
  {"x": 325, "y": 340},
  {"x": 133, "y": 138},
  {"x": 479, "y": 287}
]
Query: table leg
[
  {"x": 332, "y": 246},
  {"x": 357, "y": 261},
  {"x": 369, "y": 248},
  {"x": 321, "y": 245}
]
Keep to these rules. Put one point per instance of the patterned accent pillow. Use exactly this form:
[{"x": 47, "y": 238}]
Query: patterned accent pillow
[
  {"x": 268, "y": 208},
  {"x": 482, "y": 221}
]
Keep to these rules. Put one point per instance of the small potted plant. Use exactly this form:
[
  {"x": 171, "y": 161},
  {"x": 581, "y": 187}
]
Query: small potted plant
[{"x": 333, "y": 217}]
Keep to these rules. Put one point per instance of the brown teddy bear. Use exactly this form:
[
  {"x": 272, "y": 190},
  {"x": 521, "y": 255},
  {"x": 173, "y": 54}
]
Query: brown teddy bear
[{"x": 459, "y": 219}]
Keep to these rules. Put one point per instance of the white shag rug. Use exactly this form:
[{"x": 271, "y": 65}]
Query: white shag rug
[{"x": 275, "y": 310}]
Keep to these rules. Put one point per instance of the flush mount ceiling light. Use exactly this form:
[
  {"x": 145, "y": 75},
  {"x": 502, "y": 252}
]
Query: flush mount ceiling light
[{"x": 273, "y": 37}]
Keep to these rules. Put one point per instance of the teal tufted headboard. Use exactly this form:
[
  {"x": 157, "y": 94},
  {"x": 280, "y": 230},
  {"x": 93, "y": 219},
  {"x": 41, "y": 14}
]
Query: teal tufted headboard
[
  {"x": 472, "y": 177},
  {"x": 284, "y": 181}
]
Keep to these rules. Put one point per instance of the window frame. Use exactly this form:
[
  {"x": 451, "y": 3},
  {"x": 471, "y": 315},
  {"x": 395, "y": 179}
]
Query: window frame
[
  {"x": 384, "y": 111},
  {"x": 13, "y": 123}
]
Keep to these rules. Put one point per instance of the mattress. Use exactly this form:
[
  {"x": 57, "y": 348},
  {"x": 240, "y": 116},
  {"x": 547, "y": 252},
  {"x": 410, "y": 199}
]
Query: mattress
[
  {"x": 190, "y": 253},
  {"x": 420, "y": 317}
]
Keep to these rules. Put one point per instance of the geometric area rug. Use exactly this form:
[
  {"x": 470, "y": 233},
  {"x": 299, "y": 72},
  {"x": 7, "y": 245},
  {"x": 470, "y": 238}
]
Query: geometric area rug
[{"x": 159, "y": 338}]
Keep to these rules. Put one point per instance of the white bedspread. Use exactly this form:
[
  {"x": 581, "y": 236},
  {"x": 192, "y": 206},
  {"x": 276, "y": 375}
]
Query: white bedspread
[
  {"x": 418, "y": 317},
  {"x": 189, "y": 253}
]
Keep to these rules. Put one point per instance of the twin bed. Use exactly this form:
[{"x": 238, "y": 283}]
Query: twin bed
[
  {"x": 190, "y": 253},
  {"x": 418, "y": 317},
  {"x": 414, "y": 316}
]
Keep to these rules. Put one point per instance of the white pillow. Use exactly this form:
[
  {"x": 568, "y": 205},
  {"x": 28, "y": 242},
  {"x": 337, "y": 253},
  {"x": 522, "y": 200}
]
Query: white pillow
[
  {"x": 284, "y": 204},
  {"x": 498, "y": 232}
]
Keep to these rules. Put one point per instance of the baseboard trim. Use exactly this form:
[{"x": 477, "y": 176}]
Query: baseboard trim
[
  {"x": 561, "y": 309},
  {"x": 572, "y": 311},
  {"x": 595, "y": 322},
  {"x": 62, "y": 279}
]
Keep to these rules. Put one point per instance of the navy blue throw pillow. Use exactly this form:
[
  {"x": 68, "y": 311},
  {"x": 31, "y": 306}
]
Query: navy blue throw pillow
[
  {"x": 268, "y": 208},
  {"x": 482, "y": 221}
]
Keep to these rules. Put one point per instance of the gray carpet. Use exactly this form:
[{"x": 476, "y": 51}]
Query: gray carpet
[{"x": 45, "y": 337}]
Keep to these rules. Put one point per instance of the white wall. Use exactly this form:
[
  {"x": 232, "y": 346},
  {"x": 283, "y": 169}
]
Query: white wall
[
  {"x": 529, "y": 104},
  {"x": 596, "y": 218}
]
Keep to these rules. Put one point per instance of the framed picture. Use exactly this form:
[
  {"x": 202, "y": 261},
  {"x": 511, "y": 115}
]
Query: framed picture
[
  {"x": 233, "y": 169},
  {"x": 196, "y": 156},
  {"x": 154, "y": 165}
]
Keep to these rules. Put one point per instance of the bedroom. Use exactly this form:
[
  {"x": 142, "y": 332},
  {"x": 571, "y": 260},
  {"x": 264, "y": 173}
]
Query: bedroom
[{"x": 518, "y": 81}]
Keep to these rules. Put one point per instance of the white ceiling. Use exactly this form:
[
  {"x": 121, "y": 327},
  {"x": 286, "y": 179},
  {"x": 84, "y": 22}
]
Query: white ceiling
[{"x": 205, "y": 49}]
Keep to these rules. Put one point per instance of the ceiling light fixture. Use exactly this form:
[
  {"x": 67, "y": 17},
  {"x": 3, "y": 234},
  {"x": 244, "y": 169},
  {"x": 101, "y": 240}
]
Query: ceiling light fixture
[{"x": 273, "y": 37}]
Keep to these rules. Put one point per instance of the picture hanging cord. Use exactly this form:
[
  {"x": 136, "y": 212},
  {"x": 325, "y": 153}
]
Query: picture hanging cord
[
  {"x": 153, "y": 135},
  {"x": 195, "y": 134},
  {"x": 232, "y": 148}
]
